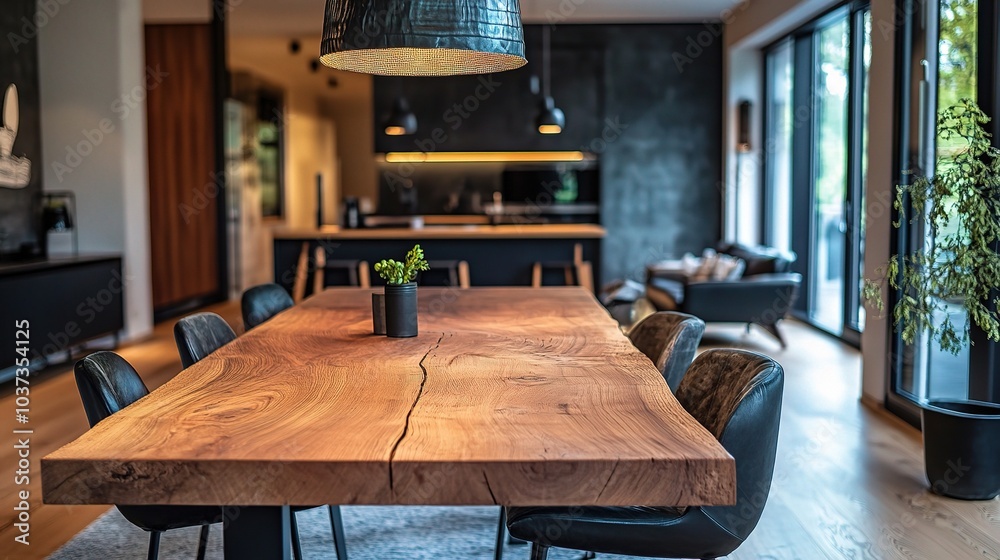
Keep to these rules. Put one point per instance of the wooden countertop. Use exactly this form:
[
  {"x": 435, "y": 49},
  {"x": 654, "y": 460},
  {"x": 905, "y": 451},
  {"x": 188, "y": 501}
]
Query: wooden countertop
[
  {"x": 526, "y": 231},
  {"x": 509, "y": 396}
]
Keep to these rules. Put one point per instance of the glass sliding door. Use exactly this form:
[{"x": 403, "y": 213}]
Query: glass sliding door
[
  {"x": 778, "y": 135},
  {"x": 861, "y": 61},
  {"x": 815, "y": 169},
  {"x": 828, "y": 241}
]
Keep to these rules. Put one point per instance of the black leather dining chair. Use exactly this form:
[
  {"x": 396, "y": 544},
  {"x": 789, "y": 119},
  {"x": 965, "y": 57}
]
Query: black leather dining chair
[
  {"x": 260, "y": 303},
  {"x": 735, "y": 395},
  {"x": 670, "y": 340},
  {"x": 108, "y": 383},
  {"x": 198, "y": 336}
]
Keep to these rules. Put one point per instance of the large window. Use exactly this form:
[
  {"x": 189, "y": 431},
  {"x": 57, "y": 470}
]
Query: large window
[
  {"x": 942, "y": 61},
  {"x": 816, "y": 120},
  {"x": 778, "y": 218}
]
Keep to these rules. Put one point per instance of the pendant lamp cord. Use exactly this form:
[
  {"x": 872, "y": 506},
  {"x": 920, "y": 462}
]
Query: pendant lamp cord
[{"x": 545, "y": 61}]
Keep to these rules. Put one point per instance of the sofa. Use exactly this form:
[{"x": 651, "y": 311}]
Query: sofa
[{"x": 762, "y": 295}]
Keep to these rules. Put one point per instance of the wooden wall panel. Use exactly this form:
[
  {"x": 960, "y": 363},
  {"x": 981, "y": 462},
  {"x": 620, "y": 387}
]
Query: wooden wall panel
[{"x": 182, "y": 187}]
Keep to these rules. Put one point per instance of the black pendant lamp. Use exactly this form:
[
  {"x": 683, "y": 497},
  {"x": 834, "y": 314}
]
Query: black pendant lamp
[
  {"x": 401, "y": 119},
  {"x": 422, "y": 37},
  {"x": 550, "y": 119}
]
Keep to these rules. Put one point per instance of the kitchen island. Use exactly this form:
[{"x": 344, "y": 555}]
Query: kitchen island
[{"x": 501, "y": 255}]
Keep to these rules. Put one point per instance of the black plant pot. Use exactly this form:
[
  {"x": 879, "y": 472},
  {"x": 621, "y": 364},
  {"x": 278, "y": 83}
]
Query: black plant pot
[
  {"x": 962, "y": 448},
  {"x": 401, "y": 310}
]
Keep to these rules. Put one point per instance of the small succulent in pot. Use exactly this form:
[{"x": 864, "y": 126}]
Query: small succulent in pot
[
  {"x": 397, "y": 273},
  {"x": 401, "y": 292}
]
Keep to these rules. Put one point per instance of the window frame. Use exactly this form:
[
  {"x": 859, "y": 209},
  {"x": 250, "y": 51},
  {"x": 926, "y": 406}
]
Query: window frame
[
  {"x": 984, "y": 359},
  {"x": 804, "y": 150}
]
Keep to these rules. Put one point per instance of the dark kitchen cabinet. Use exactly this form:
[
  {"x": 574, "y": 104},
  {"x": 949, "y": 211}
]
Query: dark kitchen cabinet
[{"x": 496, "y": 112}]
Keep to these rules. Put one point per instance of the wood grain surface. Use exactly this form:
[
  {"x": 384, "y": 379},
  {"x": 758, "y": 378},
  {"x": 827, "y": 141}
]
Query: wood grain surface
[
  {"x": 513, "y": 396},
  {"x": 514, "y": 231}
]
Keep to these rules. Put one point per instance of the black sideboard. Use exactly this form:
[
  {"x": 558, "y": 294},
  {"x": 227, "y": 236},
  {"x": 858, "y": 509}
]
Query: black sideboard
[{"x": 66, "y": 301}]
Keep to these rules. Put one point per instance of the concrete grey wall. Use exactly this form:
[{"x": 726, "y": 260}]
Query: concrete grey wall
[{"x": 661, "y": 174}]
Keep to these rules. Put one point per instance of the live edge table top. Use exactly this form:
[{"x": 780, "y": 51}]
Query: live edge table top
[{"x": 511, "y": 396}]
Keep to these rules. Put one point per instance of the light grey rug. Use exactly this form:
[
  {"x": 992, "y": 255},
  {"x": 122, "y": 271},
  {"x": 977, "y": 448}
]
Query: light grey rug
[{"x": 373, "y": 533}]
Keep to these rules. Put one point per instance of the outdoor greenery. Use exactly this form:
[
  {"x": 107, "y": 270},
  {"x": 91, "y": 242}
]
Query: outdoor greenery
[
  {"x": 958, "y": 51},
  {"x": 395, "y": 272},
  {"x": 960, "y": 210}
]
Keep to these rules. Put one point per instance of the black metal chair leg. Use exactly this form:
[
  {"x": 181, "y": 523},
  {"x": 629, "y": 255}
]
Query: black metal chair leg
[
  {"x": 296, "y": 544},
  {"x": 337, "y": 525},
  {"x": 539, "y": 552},
  {"x": 202, "y": 542},
  {"x": 501, "y": 530},
  {"x": 772, "y": 328},
  {"x": 154, "y": 545}
]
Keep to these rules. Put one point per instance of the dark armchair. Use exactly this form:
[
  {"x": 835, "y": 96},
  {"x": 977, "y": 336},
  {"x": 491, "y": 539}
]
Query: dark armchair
[{"x": 762, "y": 296}]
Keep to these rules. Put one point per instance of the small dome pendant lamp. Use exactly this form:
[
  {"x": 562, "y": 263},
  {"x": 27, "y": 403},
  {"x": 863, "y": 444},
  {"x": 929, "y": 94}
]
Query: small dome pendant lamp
[
  {"x": 550, "y": 119},
  {"x": 422, "y": 37},
  {"x": 401, "y": 119}
]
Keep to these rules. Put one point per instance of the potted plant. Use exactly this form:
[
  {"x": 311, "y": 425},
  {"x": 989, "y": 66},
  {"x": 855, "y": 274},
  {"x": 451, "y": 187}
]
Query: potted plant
[
  {"x": 401, "y": 292},
  {"x": 960, "y": 210}
]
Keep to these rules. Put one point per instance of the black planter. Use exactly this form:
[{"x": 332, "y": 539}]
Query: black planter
[
  {"x": 401, "y": 310},
  {"x": 962, "y": 448}
]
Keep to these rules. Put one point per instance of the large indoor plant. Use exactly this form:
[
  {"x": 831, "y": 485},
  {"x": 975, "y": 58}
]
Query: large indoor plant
[
  {"x": 401, "y": 292},
  {"x": 959, "y": 211}
]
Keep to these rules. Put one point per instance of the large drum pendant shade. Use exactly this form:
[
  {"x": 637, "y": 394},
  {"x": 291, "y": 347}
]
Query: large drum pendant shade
[{"x": 422, "y": 37}]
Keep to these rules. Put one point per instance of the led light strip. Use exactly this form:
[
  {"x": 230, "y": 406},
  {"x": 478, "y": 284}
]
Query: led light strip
[{"x": 483, "y": 157}]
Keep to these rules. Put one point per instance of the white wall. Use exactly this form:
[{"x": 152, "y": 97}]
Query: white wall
[
  {"x": 759, "y": 24},
  {"x": 93, "y": 80},
  {"x": 880, "y": 192}
]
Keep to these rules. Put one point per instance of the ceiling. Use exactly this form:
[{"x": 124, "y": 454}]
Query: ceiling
[{"x": 291, "y": 18}]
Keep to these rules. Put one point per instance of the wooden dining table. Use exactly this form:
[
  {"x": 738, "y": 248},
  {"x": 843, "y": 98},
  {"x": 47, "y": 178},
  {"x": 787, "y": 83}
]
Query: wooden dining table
[{"x": 508, "y": 396}]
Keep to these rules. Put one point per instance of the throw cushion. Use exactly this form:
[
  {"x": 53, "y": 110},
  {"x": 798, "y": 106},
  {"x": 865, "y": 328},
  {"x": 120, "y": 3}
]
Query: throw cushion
[
  {"x": 728, "y": 268},
  {"x": 709, "y": 260}
]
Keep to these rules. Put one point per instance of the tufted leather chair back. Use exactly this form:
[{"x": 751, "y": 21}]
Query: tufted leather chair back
[
  {"x": 670, "y": 340},
  {"x": 201, "y": 334},
  {"x": 736, "y": 395},
  {"x": 107, "y": 384},
  {"x": 260, "y": 303}
]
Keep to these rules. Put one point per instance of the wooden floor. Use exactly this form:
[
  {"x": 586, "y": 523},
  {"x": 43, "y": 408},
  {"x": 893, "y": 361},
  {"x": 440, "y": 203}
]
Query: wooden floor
[{"x": 848, "y": 481}]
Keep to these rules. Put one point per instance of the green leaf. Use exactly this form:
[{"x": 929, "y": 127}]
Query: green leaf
[
  {"x": 959, "y": 209},
  {"x": 395, "y": 272}
]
